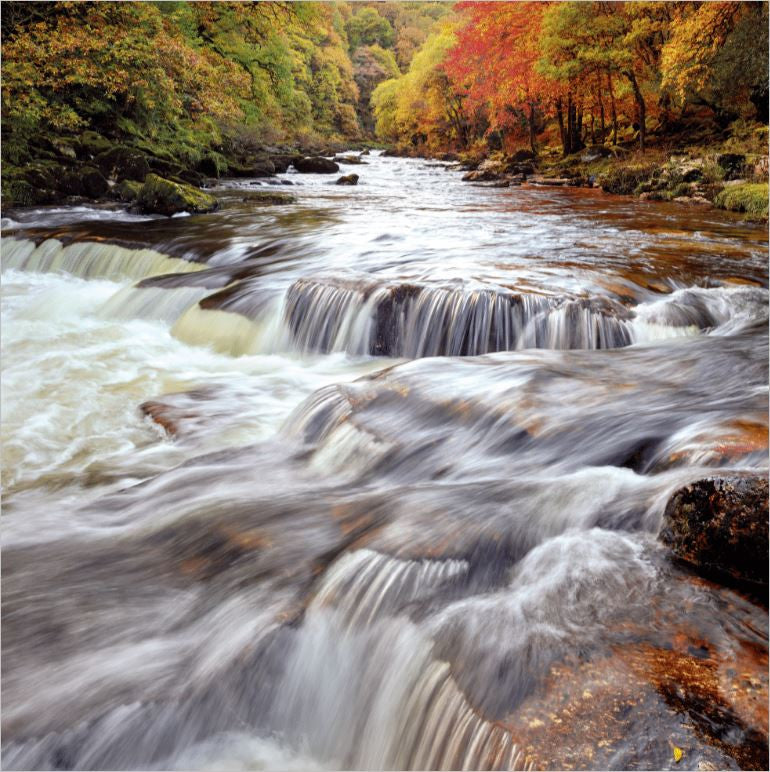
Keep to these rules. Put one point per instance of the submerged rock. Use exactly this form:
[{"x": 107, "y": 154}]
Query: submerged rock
[
  {"x": 315, "y": 165},
  {"x": 720, "y": 526},
  {"x": 348, "y": 179},
  {"x": 161, "y": 196},
  {"x": 269, "y": 197},
  {"x": 348, "y": 159}
]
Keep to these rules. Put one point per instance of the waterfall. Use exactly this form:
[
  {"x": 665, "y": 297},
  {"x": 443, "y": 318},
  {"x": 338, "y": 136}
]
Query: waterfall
[
  {"x": 406, "y": 320},
  {"x": 90, "y": 259}
]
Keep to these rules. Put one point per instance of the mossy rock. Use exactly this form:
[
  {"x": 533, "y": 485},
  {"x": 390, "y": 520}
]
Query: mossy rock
[
  {"x": 86, "y": 181},
  {"x": 127, "y": 190},
  {"x": 123, "y": 163},
  {"x": 625, "y": 179},
  {"x": 43, "y": 174},
  {"x": 161, "y": 196},
  {"x": 751, "y": 199},
  {"x": 90, "y": 143},
  {"x": 190, "y": 177},
  {"x": 19, "y": 192},
  {"x": 269, "y": 197}
]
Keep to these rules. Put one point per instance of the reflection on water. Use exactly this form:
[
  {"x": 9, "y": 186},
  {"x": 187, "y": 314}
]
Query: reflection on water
[{"x": 392, "y": 494}]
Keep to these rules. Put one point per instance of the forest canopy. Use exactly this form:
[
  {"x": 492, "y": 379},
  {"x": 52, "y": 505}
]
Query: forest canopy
[{"x": 195, "y": 79}]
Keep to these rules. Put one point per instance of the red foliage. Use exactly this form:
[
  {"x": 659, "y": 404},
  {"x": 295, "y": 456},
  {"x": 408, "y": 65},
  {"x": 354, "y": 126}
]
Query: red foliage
[{"x": 493, "y": 63}]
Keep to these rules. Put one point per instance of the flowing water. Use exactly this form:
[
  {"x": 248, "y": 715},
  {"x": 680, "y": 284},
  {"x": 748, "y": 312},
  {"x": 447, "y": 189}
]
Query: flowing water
[{"x": 373, "y": 480}]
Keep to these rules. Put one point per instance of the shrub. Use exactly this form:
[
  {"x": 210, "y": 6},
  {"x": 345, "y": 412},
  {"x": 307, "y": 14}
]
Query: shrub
[{"x": 750, "y": 198}]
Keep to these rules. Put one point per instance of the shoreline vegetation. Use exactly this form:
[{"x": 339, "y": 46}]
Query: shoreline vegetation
[{"x": 635, "y": 98}]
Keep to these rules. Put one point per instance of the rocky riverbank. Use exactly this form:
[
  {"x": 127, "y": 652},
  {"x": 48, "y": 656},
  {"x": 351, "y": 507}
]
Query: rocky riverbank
[
  {"x": 711, "y": 176},
  {"x": 91, "y": 167}
]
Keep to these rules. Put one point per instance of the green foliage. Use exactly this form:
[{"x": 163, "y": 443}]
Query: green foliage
[
  {"x": 626, "y": 178},
  {"x": 751, "y": 199},
  {"x": 367, "y": 28},
  {"x": 421, "y": 106}
]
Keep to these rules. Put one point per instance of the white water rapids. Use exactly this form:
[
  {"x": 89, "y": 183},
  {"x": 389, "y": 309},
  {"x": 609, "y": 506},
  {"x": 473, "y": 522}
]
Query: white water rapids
[{"x": 402, "y": 458}]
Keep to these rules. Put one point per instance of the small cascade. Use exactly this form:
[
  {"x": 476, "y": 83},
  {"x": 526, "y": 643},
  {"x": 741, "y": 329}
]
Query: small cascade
[
  {"x": 90, "y": 259},
  {"x": 699, "y": 308},
  {"x": 406, "y": 320},
  {"x": 230, "y": 333},
  {"x": 151, "y": 303},
  {"x": 381, "y": 699},
  {"x": 365, "y": 585}
]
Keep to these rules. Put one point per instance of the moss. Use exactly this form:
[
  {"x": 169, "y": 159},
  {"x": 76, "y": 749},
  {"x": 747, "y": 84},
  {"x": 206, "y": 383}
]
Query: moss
[
  {"x": 90, "y": 143},
  {"x": 128, "y": 190},
  {"x": 161, "y": 196},
  {"x": 19, "y": 192},
  {"x": 752, "y": 199},
  {"x": 625, "y": 179},
  {"x": 269, "y": 197}
]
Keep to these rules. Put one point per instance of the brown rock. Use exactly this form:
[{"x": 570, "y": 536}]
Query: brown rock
[{"x": 720, "y": 525}]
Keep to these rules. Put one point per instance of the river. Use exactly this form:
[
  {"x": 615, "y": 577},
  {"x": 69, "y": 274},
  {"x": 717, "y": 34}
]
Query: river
[{"x": 392, "y": 497}]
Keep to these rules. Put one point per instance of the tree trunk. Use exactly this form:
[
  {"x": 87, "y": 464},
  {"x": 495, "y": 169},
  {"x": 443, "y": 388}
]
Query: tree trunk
[
  {"x": 602, "y": 128},
  {"x": 532, "y": 143},
  {"x": 578, "y": 143},
  {"x": 614, "y": 111},
  {"x": 562, "y": 133},
  {"x": 570, "y": 125},
  {"x": 640, "y": 107}
]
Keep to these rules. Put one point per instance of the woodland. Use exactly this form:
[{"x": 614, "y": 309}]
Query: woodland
[{"x": 205, "y": 87}]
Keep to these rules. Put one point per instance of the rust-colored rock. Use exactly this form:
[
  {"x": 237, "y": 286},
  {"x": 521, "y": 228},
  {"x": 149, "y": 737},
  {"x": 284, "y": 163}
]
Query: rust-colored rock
[{"x": 720, "y": 525}]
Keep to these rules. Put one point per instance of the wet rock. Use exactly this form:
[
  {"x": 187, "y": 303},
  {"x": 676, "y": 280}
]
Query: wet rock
[
  {"x": 123, "y": 163},
  {"x": 524, "y": 168},
  {"x": 268, "y": 197},
  {"x": 282, "y": 161},
  {"x": 720, "y": 526},
  {"x": 263, "y": 168},
  {"x": 481, "y": 175},
  {"x": 127, "y": 190},
  {"x": 557, "y": 182},
  {"x": 191, "y": 177},
  {"x": 315, "y": 165},
  {"x": 208, "y": 167},
  {"x": 348, "y": 159},
  {"x": 348, "y": 179},
  {"x": 86, "y": 181},
  {"x": 161, "y": 196}
]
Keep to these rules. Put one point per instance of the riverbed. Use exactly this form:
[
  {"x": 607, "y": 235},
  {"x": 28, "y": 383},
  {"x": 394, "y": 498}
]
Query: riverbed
[{"x": 373, "y": 480}]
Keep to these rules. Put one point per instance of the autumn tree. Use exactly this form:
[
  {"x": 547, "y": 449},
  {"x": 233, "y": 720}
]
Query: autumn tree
[
  {"x": 493, "y": 65},
  {"x": 717, "y": 56}
]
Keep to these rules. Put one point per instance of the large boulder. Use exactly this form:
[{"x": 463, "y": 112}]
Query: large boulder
[
  {"x": 85, "y": 181},
  {"x": 282, "y": 161},
  {"x": 123, "y": 163},
  {"x": 720, "y": 526},
  {"x": 161, "y": 196},
  {"x": 90, "y": 143},
  {"x": 521, "y": 155},
  {"x": 481, "y": 175},
  {"x": 315, "y": 165},
  {"x": 262, "y": 168},
  {"x": 732, "y": 164}
]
